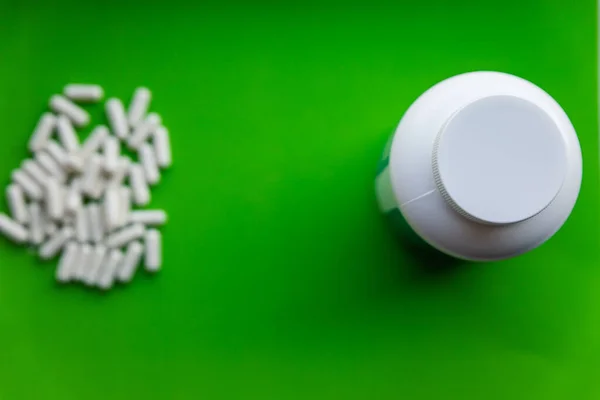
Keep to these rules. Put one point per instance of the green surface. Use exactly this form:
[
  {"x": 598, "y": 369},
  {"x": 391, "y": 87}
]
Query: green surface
[{"x": 281, "y": 281}]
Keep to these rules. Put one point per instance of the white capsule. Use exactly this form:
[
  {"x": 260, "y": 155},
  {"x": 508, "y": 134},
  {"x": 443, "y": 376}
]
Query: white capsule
[
  {"x": 50, "y": 166},
  {"x": 122, "y": 170},
  {"x": 61, "y": 105},
  {"x": 109, "y": 269},
  {"x": 125, "y": 235},
  {"x": 139, "y": 105},
  {"x": 94, "y": 142},
  {"x": 42, "y": 132},
  {"x": 130, "y": 262},
  {"x": 56, "y": 243},
  {"x": 75, "y": 163},
  {"x": 66, "y": 134},
  {"x": 148, "y": 161},
  {"x": 16, "y": 204},
  {"x": 117, "y": 118},
  {"x": 82, "y": 226},
  {"x": 139, "y": 186},
  {"x": 143, "y": 131},
  {"x": 124, "y": 205},
  {"x": 112, "y": 150},
  {"x": 50, "y": 228},
  {"x": 12, "y": 229},
  {"x": 148, "y": 217},
  {"x": 84, "y": 259},
  {"x": 92, "y": 271},
  {"x": 111, "y": 208},
  {"x": 91, "y": 175},
  {"x": 73, "y": 199},
  {"x": 58, "y": 153},
  {"x": 29, "y": 186},
  {"x": 162, "y": 147},
  {"x": 153, "y": 256},
  {"x": 55, "y": 199},
  {"x": 95, "y": 223},
  {"x": 37, "y": 232},
  {"x": 84, "y": 92},
  {"x": 66, "y": 264},
  {"x": 34, "y": 171}
]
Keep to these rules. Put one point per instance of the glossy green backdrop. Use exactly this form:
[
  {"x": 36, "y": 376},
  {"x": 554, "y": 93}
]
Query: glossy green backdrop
[{"x": 281, "y": 281}]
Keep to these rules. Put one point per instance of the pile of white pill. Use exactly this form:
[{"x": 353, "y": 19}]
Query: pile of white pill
[{"x": 79, "y": 198}]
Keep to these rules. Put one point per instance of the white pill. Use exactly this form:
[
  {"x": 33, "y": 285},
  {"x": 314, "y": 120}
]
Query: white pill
[
  {"x": 73, "y": 199},
  {"x": 61, "y": 105},
  {"x": 37, "y": 232},
  {"x": 153, "y": 256},
  {"x": 34, "y": 171},
  {"x": 148, "y": 217},
  {"x": 94, "y": 142},
  {"x": 91, "y": 175},
  {"x": 56, "y": 243},
  {"x": 42, "y": 132},
  {"x": 122, "y": 170},
  {"x": 124, "y": 205},
  {"x": 112, "y": 150},
  {"x": 162, "y": 147},
  {"x": 16, "y": 204},
  {"x": 143, "y": 131},
  {"x": 117, "y": 118},
  {"x": 109, "y": 269},
  {"x": 12, "y": 229},
  {"x": 130, "y": 262},
  {"x": 84, "y": 92},
  {"x": 95, "y": 264},
  {"x": 66, "y": 134},
  {"x": 29, "y": 186},
  {"x": 82, "y": 226},
  {"x": 67, "y": 261},
  {"x": 80, "y": 268},
  {"x": 55, "y": 199},
  {"x": 148, "y": 160},
  {"x": 111, "y": 208},
  {"x": 139, "y": 105},
  {"x": 50, "y": 228},
  {"x": 125, "y": 235},
  {"x": 139, "y": 186},
  {"x": 58, "y": 153},
  {"x": 75, "y": 163},
  {"x": 50, "y": 166},
  {"x": 96, "y": 223}
]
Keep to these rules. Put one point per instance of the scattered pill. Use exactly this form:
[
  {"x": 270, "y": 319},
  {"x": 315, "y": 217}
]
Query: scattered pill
[
  {"x": 66, "y": 263},
  {"x": 131, "y": 260},
  {"x": 12, "y": 229},
  {"x": 121, "y": 172},
  {"x": 108, "y": 271},
  {"x": 55, "y": 199},
  {"x": 42, "y": 132},
  {"x": 139, "y": 105},
  {"x": 162, "y": 147},
  {"x": 139, "y": 186},
  {"x": 34, "y": 171},
  {"x": 83, "y": 261},
  {"x": 153, "y": 246},
  {"x": 61, "y": 105},
  {"x": 111, "y": 154},
  {"x": 56, "y": 243},
  {"x": 58, "y": 153},
  {"x": 91, "y": 175},
  {"x": 148, "y": 161},
  {"x": 94, "y": 142},
  {"x": 95, "y": 264},
  {"x": 37, "y": 232},
  {"x": 82, "y": 226},
  {"x": 117, "y": 118},
  {"x": 84, "y": 93},
  {"x": 29, "y": 186},
  {"x": 125, "y": 235},
  {"x": 148, "y": 217},
  {"x": 50, "y": 166},
  {"x": 73, "y": 199},
  {"x": 124, "y": 205},
  {"x": 16, "y": 203},
  {"x": 66, "y": 134},
  {"x": 111, "y": 208},
  {"x": 143, "y": 131},
  {"x": 96, "y": 224}
]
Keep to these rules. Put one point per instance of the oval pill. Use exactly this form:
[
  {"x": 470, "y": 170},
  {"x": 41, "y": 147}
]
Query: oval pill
[
  {"x": 153, "y": 246},
  {"x": 117, "y": 119},
  {"x": 12, "y": 229},
  {"x": 139, "y": 105},
  {"x": 17, "y": 204},
  {"x": 42, "y": 132},
  {"x": 84, "y": 92},
  {"x": 61, "y": 105}
]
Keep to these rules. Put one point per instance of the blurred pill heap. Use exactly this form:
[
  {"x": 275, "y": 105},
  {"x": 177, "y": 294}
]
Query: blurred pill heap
[{"x": 84, "y": 201}]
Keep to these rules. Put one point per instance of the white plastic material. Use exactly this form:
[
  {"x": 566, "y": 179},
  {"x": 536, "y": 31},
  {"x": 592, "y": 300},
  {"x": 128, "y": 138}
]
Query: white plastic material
[
  {"x": 67, "y": 262},
  {"x": 148, "y": 161},
  {"x": 96, "y": 223},
  {"x": 117, "y": 118},
  {"x": 153, "y": 256},
  {"x": 92, "y": 270},
  {"x": 84, "y": 92},
  {"x": 112, "y": 151},
  {"x": 485, "y": 166},
  {"x": 94, "y": 142},
  {"x": 139, "y": 186},
  {"x": 83, "y": 262},
  {"x": 37, "y": 231},
  {"x": 12, "y": 229},
  {"x": 131, "y": 260},
  {"x": 112, "y": 209},
  {"x": 144, "y": 130},
  {"x": 162, "y": 147},
  {"x": 42, "y": 132},
  {"x": 58, "y": 153},
  {"x": 148, "y": 217},
  {"x": 61, "y": 105},
  {"x": 35, "y": 171},
  {"x": 124, "y": 205},
  {"x": 126, "y": 235},
  {"x": 50, "y": 166},
  {"x": 56, "y": 243},
  {"x": 66, "y": 134},
  {"x": 55, "y": 201},
  {"x": 108, "y": 271},
  {"x": 29, "y": 186}
]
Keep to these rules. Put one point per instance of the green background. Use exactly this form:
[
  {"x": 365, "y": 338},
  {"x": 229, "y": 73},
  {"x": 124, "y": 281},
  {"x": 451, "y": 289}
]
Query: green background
[{"x": 281, "y": 280}]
